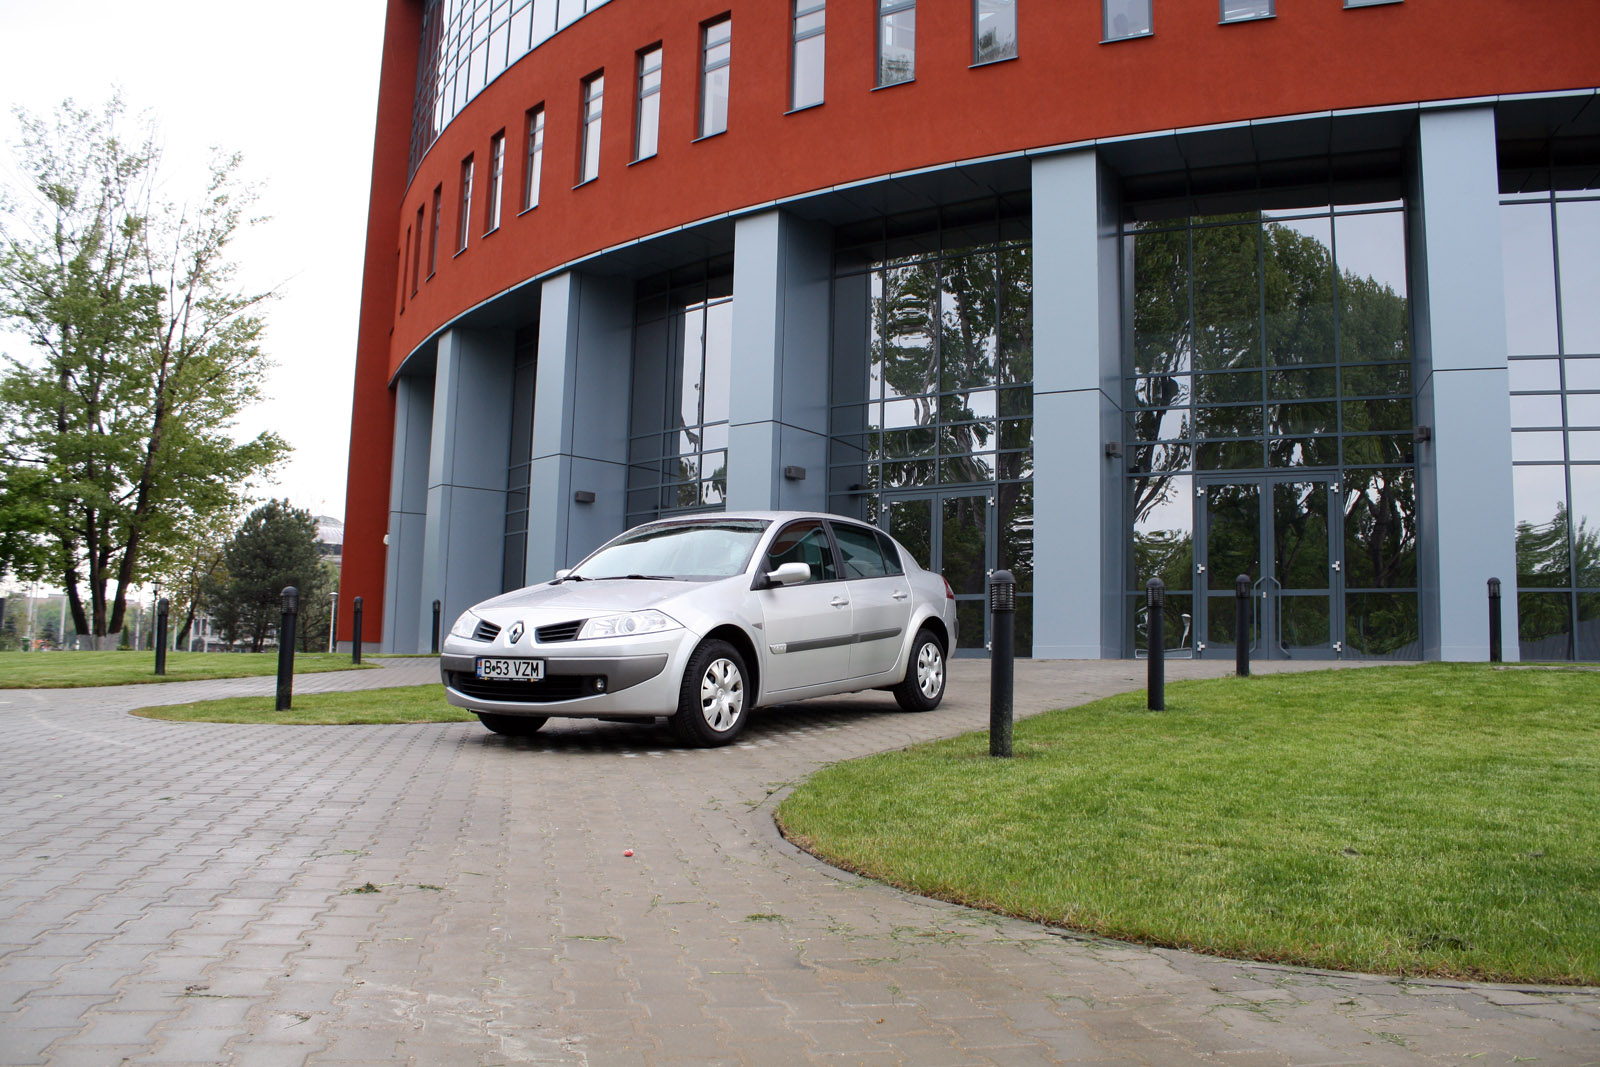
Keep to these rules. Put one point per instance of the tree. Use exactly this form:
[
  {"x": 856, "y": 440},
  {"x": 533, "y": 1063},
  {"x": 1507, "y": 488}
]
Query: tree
[
  {"x": 274, "y": 548},
  {"x": 116, "y": 427}
]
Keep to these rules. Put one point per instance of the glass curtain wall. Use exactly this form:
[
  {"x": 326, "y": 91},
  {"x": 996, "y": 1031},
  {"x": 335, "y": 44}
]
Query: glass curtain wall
[
  {"x": 683, "y": 350},
  {"x": 1551, "y": 244},
  {"x": 519, "y": 463},
  {"x": 1270, "y": 428},
  {"x": 932, "y": 387}
]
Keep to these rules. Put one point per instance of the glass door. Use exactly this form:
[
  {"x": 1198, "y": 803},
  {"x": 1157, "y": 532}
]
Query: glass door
[
  {"x": 951, "y": 533},
  {"x": 1282, "y": 533}
]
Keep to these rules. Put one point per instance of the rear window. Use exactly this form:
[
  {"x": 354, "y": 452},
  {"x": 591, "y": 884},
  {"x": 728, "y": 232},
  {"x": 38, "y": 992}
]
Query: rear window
[{"x": 865, "y": 555}]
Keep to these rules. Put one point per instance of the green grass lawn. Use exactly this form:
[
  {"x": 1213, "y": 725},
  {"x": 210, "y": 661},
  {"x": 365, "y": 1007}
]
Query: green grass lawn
[
  {"x": 66, "y": 670},
  {"x": 1435, "y": 819},
  {"x": 403, "y": 704}
]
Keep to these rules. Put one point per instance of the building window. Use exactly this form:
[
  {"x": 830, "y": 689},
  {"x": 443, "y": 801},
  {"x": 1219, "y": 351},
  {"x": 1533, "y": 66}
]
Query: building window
[
  {"x": 806, "y": 61},
  {"x": 465, "y": 226},
  {"x": 433, "y": 231},
  {"x": 1126, "y": 18},
  {"x": 400, "y": 264},
  {"x": 897, "y": 41},
  {"x": 589, "y": 156},
  {"x": 1551, "y": 248},
  {"x": 416, "y": 254},
  {"x": 1244, "y": 10},
  {"x": 497, "y": 173},
  {"x": 717, "y": 51},
  {"x": 649, "y": 125},
  {"x": 994, "y": 30},
  {"x": 530, "y": 177},
  {"x": 1368, "y": 3}
]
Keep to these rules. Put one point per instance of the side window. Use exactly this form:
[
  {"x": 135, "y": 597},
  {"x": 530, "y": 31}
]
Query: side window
[
  {"x": 891, "y": 554},
  {"x": 803, "y": 542},
  {"x": 863, "y": 555}
]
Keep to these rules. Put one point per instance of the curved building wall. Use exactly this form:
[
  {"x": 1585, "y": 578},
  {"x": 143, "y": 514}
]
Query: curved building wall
[{"x": 505, "y": 357}]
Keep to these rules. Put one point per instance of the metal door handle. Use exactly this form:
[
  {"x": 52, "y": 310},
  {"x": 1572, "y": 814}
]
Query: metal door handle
[
  {"x": 899, "y": 594},
  {"x": 839, "y": 602}
]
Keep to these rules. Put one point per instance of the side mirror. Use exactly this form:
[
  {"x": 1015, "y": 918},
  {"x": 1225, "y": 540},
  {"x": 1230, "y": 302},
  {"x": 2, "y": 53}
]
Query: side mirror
[
  {"x": 563, "y": 572},
  {"x": 789, "y": 574}
]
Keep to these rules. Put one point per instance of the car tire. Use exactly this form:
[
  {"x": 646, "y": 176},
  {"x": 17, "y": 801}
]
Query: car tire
[
  {"x": 923, "y": 686},
  {"x": 713, "y": 700},
  {"x": 512, "y": 725}
]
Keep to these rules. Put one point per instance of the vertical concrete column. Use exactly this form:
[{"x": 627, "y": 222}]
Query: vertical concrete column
[
  {"x": 1079, "y": 543},
  {"x": 580, "y": 420},
  {"x": 464, "y": 530},
  {"x": 779, "y": 386},
  {"x": 408, "y": 510},
  {"x": 1466, "y": 521}
]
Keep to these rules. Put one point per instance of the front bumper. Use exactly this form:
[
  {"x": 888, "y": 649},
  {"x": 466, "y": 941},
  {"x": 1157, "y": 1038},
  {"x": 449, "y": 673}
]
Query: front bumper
[{"x": 580, "y": 680}]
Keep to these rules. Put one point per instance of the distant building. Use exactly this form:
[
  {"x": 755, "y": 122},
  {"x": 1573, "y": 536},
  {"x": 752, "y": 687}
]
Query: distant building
[
  {"x": 330, "y": 538},
  {"x": 1096, "y": 293}
]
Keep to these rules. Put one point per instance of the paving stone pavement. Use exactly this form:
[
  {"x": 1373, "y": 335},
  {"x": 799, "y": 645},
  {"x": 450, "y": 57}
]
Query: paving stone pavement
[{"x": 273, "y": 895}]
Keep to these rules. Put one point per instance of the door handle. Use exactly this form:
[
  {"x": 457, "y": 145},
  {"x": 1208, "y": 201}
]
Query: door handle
[
  {"x": 899, "y": 594},
  {"x": 839, "y": 602}
]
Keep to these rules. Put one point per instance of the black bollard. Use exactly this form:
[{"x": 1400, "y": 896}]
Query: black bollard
[
  {"x": 291, "y": 605},
  {"x": 355, "y": 642},
  {"x": 1241, "y": 626},
  {"x": 161, "y": 636},
  {"x": 436, "y": 609},
  {"x": 1156, "y": 623},
  {"x": 1003, "y": 617},
  {"x": 1494, "y": 620}
]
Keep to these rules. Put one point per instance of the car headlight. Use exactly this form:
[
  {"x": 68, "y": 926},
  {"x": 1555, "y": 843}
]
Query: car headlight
[
  {"x": 629, "y": 624},
  {"x": 465, "y": 626}
]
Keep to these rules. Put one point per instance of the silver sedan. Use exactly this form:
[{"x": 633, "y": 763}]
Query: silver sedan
[{"x": 703, "y": 618}]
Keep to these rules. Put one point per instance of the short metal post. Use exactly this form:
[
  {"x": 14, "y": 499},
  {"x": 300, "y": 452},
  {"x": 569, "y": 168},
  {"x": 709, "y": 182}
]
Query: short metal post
[
  {"x": 355, "y": 642},
  {"x": 1241, "y": 626},
  {"x": 291, "y": 606},
  {"x": 437, "y": 607},
  {"x": 1494, "y": 620},
  {"x": 1156, "y": 624},
  {"x": 333, "y": 621},
  {"x": 161, "y": 636},
  {"x": 1002, "y": 652}
]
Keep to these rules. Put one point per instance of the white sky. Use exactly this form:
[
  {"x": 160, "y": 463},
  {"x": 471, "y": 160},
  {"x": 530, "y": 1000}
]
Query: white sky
[{"x": 291, "y": 85}]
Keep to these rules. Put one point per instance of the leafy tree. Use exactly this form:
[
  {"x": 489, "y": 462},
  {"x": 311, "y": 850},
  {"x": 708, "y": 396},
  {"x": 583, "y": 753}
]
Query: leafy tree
[
  {"x": 115, "y": 428},
  {"x": 275, "y": 547}
]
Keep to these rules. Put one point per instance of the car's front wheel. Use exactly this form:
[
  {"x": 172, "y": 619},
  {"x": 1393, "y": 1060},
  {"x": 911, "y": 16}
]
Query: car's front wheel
[
  {"x": 712, "y": 707},
  {"x": 923, "y": 686},
  {"x": 512, "y": 725}
]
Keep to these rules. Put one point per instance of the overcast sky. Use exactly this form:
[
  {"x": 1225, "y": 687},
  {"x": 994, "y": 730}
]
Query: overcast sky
[{"x": 291, "y": 85}]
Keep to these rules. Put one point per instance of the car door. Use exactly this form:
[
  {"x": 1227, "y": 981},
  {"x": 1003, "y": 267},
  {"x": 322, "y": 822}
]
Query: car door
[
  {"x": 880, "y": 598},
  {"x": 807, "y": 625}
]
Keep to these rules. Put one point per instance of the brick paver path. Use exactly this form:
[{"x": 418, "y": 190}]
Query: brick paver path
[{"x": 187, "y": 893}]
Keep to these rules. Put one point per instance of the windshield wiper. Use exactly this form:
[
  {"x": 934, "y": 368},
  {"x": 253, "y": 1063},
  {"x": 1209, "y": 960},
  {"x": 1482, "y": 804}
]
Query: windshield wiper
[
  {"x": 635, "y": 577},
  {"x": 571, "y": 578}
]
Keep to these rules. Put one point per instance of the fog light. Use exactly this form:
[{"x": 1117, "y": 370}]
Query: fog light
[{"x": 599, "y": 685}]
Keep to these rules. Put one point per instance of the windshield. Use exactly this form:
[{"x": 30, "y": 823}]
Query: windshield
[{"x": 697, "y": 550}]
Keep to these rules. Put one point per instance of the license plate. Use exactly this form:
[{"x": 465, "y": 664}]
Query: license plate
[{"x": 511, "y": 670}]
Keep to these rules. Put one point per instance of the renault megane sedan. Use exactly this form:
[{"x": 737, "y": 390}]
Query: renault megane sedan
[{"x": 702, "y": 619}]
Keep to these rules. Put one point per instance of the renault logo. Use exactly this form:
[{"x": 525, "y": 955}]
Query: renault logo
[{"x": 516, "y": 633}]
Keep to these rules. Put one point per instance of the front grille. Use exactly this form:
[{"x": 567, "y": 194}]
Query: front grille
[
  {"x": 553, "y": 687},
  {"x": 559, "y": 631},
  {"x": 486, "y": 631}
]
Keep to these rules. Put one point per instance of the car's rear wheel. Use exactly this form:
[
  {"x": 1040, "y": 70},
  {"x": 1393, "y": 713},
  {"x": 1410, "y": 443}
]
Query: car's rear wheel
[
  {"x": 512, "y": 725},
  {"x": 712, "y": 701},
  {"x": 923, "y": 686}
]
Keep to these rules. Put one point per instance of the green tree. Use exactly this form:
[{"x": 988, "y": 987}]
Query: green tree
[
  {"x": 116, "y": 426},
  {"x": 274, "y": 548}
]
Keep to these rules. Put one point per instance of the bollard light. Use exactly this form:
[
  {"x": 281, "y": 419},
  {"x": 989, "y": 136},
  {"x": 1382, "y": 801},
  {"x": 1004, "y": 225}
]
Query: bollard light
[
  {"x": 1495, "y": 649},
  {"x": 291, "y": 603},
  {"x": 162, "y": 606},
  {"x": 355, "y": 643},
  {"x": 1156, "y": 623},
  {"x": 1241, "y": 626},
  {"x": 291, "y": 600},
  {"x": 1002, "y": 622}
]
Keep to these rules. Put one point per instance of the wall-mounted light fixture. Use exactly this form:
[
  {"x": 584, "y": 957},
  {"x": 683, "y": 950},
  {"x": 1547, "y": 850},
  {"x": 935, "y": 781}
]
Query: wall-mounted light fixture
[
  {"x": 794, "y": 474},
  {"x": 1423, "y": 434},
  {"x": 583, "y": 496},
  {"x": 1113, "y": 449}
]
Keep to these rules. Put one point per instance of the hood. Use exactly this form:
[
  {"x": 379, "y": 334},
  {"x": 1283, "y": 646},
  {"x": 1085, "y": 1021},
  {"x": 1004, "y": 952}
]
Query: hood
[{"x": 576, "y": 600}]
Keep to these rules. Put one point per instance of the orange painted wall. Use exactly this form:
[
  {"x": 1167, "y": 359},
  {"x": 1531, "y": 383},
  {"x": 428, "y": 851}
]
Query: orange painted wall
[{"x": 1065, "y": 86}]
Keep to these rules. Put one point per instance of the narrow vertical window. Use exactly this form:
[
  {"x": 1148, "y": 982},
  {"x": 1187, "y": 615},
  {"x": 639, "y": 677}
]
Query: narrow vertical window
[
  {"x": 806, "y": 62},
  {"x": 433, "y": 233},
  {"x": 465, "y": 226},
  {"x": 897, "y": 41},
  {"x": 400, "y": 264},
  {"x": 717, "y": 50},
  {"x": 648, "y": 128},
  {"x": 530, "y": 177},
  {"x": 497, "y": 174},
  {"x": 416, "y": 254},
  {"x": 1240, "y": 10},
  {"x": 589, "y": 157},
  {"x": 1126, "y": 18},
  {"x": 994, "y": 30}
]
